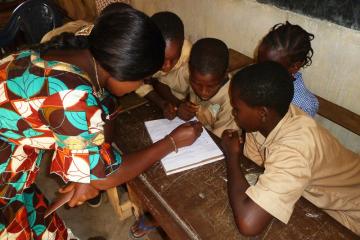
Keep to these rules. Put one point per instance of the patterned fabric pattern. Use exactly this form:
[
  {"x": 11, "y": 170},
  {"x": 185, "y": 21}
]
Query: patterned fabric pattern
[
  {"x": 47, "y": 105},
  {"x": 27, "y": 218},
  {"x": 303, "y": 98}
]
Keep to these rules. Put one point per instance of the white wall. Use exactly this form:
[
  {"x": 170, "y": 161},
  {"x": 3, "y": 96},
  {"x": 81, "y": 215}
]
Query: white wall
[{"x": 335, "y": 72}]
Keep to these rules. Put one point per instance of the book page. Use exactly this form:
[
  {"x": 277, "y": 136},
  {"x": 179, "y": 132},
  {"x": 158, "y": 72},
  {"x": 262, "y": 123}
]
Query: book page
[{"x": 202, "y": 151}]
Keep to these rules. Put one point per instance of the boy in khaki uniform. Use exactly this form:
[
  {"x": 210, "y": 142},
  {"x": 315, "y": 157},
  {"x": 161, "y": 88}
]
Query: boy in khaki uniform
[
  {"x": 300, "y": 157},
  {"x": 177, "y": 79},
  {"x": 215, "y": 113},
  {"x": 209, "y": 87},
  {"x": 168, "y": 87}
]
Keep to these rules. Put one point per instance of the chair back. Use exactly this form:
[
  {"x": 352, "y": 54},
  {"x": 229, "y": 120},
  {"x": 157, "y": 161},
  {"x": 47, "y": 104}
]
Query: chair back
[{"x": 34, "y": 18}]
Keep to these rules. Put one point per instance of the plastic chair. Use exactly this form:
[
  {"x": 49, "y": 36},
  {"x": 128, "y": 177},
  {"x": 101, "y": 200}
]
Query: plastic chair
[{"x": 34, "y": 18}]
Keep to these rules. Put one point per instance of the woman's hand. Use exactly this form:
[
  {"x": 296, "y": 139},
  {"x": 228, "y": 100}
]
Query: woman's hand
[
  {"x": 82, "y": 192},
  {"x": 231, "y": 143},
  {"x": 186, "y": 134},
  {"x": 187, "y": 110}
]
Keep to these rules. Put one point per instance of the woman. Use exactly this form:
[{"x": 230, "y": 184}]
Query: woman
[{"x": 54, "y": 97}]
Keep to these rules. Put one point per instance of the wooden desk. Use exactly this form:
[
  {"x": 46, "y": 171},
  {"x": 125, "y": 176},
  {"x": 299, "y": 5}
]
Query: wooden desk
[{"x": 194, "y": 204}]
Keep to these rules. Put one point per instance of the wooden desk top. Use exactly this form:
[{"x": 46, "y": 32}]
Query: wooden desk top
[{"x": 194, "y": 204}]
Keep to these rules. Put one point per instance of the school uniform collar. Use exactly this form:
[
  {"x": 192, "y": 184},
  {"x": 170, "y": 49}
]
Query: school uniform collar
[{"x": 275, "y": 132}]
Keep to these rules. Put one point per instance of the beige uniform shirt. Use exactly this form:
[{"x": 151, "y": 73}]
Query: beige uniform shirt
[
  {"x": 301, "y": 158},
  {"x": 71, "y": 27},
  {"x": 178, "y": 77},
  {"x": 215, "y": 113}
]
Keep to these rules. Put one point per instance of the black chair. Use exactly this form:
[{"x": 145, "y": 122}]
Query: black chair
[{"x": 33, "y": 19}]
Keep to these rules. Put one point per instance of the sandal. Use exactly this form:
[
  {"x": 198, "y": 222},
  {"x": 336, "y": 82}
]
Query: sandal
[{"x": 139, "y": 226}]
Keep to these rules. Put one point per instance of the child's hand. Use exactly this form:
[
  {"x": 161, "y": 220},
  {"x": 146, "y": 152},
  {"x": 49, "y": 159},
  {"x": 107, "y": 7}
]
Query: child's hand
[
  {"x": 231, "y": 142},
  {"x": 187, "y": 110},
  {"x": 83, "y": 192},
  {"x": 187, "y": 133},
  {"x": 169, "y": 111}
]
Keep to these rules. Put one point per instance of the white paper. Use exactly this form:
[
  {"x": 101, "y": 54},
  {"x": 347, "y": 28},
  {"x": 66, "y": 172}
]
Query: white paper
[{"x": 202, "y": 151}]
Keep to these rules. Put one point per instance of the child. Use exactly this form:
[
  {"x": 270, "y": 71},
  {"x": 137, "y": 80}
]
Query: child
[
  {"x": 290, "y": 46},
  {"x": 209, "y": 85},
  {"x": 300, "y": 157},
  {"x": 170, "y": 85}
]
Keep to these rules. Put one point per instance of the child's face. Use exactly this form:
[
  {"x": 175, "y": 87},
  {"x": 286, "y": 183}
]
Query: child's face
[
  {"x": 172, "y": 54},
  {"x": 205, "y": 86},
  {"x": 246, "y": 117}
]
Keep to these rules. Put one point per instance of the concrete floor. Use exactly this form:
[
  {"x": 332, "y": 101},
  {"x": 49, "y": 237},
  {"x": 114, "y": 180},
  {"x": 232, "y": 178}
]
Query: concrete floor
[{"x": 84, "y": 221}]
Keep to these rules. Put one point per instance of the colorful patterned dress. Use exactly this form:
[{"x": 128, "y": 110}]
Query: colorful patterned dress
[{"x": 46, "y": 105}]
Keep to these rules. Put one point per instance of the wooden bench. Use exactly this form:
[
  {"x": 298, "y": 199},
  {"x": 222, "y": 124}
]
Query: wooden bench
[
  {"x": 327, "y": 109},
  {"x": 238, "y": 60},
  {"x": 339, "y": 115}
]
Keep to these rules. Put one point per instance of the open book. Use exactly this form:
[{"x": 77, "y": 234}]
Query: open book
[{"x": 202, "y": 151}]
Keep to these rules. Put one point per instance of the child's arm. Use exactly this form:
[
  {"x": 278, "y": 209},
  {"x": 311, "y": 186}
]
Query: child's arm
[
  {"x": 168, "y": 109},
  {"x": 187, "y": 110},
  {"x": 165, "y": 92},
  {"x": 137, "y": 162},
  {"x": 250, "y": 218}
]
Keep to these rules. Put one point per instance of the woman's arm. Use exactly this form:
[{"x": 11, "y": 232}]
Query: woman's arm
[{"x": 136, "y": 163}]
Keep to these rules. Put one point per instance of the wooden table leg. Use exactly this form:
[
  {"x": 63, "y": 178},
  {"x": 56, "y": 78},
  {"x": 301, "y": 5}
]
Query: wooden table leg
[
  {"x": 138, "y": 208},
  {"x": 123, "y": 210}
]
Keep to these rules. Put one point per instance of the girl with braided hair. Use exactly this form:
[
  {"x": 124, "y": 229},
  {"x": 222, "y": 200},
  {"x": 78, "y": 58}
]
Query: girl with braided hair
[{"x": 290, "y": 45}]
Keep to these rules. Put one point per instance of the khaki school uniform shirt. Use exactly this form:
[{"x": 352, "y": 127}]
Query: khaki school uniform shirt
[
  {"x": 71, "y": 27},
  {"x": 215, "y": 113},
  {"x": 178, "y": 77},
  {"x": 301, "y": 158}
]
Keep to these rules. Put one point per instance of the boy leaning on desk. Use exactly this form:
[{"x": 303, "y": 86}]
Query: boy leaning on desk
[{"x": 300, "y": 157}]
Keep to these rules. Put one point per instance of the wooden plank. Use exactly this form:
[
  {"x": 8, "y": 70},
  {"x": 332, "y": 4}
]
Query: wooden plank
[
  {"x": 339, "y": 115},
  {"x": 124, "y": 209},
  {"x": 238, "y": 60}
]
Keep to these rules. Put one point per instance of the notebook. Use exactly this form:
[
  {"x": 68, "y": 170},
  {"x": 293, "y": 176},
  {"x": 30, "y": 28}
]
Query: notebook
[{"x": 202, "y": 151}]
